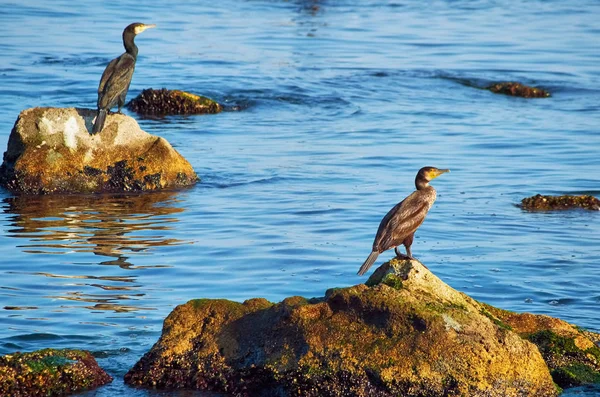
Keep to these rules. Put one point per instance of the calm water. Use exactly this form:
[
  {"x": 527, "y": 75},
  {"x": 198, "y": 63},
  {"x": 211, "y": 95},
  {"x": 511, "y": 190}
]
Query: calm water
[{"x": 341, "y": 103}]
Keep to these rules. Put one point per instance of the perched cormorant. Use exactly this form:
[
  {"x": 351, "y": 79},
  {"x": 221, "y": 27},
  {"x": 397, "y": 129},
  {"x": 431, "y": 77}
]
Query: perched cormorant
[
  {"x": 117, "y": 76},
  {"x": 398, "y": 226}
]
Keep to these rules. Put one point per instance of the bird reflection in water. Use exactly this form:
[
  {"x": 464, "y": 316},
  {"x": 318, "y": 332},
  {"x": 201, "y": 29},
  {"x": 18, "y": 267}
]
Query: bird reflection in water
[{"x": 116, "y": 227}]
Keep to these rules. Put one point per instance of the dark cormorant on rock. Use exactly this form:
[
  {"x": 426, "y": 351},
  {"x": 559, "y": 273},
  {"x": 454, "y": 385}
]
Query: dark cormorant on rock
[
  {"x": 117, "y": 76},
  {"x": 398, "y": 226}
]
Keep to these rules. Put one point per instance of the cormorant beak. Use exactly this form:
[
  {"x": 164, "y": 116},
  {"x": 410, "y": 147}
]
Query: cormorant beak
[
  {"x": 139, "y": 29},
  {"x": 437, "y": 172}
]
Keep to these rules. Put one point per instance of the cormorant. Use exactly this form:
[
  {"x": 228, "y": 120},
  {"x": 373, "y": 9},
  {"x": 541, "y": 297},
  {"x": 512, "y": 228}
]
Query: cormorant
[
  {"x": 398, "y": 226},
  {"x": 117, "y": 76}
]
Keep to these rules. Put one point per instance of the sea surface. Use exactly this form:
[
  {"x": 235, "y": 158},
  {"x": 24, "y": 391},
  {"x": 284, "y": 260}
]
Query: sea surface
[{"x": 333, "y": 106}]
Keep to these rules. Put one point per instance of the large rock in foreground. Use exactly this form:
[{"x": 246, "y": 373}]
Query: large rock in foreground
[
  {"x": 409, "y": 334},
  {"x": 50, "y": 373},
  {"x": 50, "y": 150}
]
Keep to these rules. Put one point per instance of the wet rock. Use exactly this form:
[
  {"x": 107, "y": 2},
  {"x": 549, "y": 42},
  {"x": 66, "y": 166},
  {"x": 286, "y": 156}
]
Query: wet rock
[
  {"x": 570, "y": 352},
  {"x": 565, "y": 202},
  {"x": 50, "y": 150},
  {"x": 408, "y": 334},
  {"x": 165, "y": 102},
  {"x": 518, "y": 89},
  {"x": 50, "y": 372}
]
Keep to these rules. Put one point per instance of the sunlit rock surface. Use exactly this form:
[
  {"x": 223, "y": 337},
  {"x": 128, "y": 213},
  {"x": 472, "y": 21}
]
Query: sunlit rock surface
[
  {"x": 570, "y": 352},
  {"x": 50, "y": 150},
  {"x": 518, "y": 89},
  {"x": 408, "y": 334},
  {"x": 565, "y": 202},
  {"x": 50, "y": 373},
  {"x": 165, "y": 102}
]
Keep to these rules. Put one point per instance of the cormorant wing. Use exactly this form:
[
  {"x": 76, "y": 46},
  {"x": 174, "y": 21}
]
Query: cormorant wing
[
  {"x": 106, "y": 74},
  {"x": 401, "y": 221},
  {"x": 117, "y": 82}
]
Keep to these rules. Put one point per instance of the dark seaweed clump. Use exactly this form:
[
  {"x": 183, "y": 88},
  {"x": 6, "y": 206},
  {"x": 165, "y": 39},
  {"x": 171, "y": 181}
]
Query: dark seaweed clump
[
  {"x": 518, "y": 89},
  {"x": 551, "y": 203}
]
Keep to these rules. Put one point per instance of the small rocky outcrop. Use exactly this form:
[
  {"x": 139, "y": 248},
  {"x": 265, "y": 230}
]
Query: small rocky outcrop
[
  {"x": 49, "y": 373},
  {"x": 165, "y": 102},
  {"x": 407, "y": 334},
  {"x": 50, "y": 150},
  {"x": 565, "y": 202},
  {"x": 518, "y": 89},
  {"x": 570, "y": 352}
]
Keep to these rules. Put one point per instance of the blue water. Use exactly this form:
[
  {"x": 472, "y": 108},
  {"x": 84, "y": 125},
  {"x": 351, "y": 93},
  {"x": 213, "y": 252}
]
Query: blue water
[{"x": 339, "y": 104}]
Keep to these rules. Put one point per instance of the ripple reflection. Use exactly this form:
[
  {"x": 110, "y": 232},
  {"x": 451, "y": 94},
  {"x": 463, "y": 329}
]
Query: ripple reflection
[{"x": 106, "y": 225}]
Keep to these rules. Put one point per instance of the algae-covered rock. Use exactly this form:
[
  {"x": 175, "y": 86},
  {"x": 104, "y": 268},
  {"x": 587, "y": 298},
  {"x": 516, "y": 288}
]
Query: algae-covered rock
[
  {"x": 50, "y": 150},
  {"x": 518, "y": 89},
  {"x": 165, "y": 102},
  {"x": 570, "y": 352},
  {"x": 565, "y": 202},
  {"x": 50, "y": 372},
  {"x": 414, "y": 337}
]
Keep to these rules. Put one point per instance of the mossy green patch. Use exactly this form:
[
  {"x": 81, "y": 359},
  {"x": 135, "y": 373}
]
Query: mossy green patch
[
  {"x": 495, "y": 320},
  {"x": 393, "y": 281},
  {"x": 575, "y": 375}
]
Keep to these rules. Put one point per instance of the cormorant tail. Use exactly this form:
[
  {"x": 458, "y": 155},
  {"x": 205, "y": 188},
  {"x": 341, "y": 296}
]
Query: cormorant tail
[
  {"x": 99, "y": 123},
  {"x": 370, "y": 260}
]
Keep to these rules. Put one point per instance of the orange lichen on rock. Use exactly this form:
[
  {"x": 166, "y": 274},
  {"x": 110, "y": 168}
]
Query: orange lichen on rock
[
  {"x": 50, "y": 372},
  {"x": 518, "y": 89},
  {"x": 415, "y": 336},
  {"x": 50, "y": 150},
  {"x": 165, "y": 102},
  {"x": 565, "y": 202}
]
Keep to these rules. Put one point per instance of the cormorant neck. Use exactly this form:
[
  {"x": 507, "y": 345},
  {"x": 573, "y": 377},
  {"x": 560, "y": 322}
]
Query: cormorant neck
[
  {"x": 421, "y": 183},
  {"x": 129, "y": 44}
]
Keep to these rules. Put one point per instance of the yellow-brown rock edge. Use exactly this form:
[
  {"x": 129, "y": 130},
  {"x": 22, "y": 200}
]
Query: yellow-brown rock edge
[
  {"x": 570, "y": 352},
  {"x": 49, "y": 373},
  {"x": 518, "y": 89},
  {"x": 408, "y": 334},
  {"x": 564, "y": 202},
  {"x": 165, "y": 102},
  {"x": 50, "y": 150}
]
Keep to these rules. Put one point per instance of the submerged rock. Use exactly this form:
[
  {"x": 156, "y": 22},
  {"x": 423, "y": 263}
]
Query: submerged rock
[
  {"x": 570, "y": 352},
  {"x": 518, "y": 89},
  {"x": 50, "y": 372},
  {"x": 409, "y": 334},
  {"x": 165, "y": 102},
  {"x": 50, "y": 150},
  {"x": 565, "y": 202}
]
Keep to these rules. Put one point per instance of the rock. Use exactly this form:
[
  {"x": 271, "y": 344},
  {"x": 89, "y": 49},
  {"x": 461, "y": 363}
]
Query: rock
[
  {"x": 50, "y": 372},
  {"x": 570, "y": 352},
  {"x": 50, "y": 150},
  {"x": 409, "y": 334},
  {"x": 165, "y": 102},
  {"x": 565, "y": 202},
  {"x": 518, "y": 89}
]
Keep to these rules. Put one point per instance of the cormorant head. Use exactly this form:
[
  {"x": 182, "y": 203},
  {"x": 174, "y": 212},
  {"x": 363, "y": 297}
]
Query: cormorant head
[
  {"x": 426, "y": 174},
  {"x": 137, "y": 28}
]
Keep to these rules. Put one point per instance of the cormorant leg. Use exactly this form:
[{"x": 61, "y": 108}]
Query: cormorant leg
[
  {"x": 399, "y": 254},
  {"x": 407, "y": 243}
]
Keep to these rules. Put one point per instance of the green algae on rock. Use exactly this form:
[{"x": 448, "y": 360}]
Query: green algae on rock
[
  {"x": 50, "y": 372},
  {"x": 165, "y": 102},
  {"x": 564, "y": 202},
  {"x": 418, "y": 337},
  {"x": 50, "y": 150},
  {"x": 518, "y": 89},
  {"x": 570, "y": 352}
]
